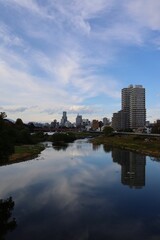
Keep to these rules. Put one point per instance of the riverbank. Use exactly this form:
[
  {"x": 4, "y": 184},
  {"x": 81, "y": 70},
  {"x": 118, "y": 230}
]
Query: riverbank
[
  {"x": 146, "y": 145},
  {"x": 25, "y": 152}
]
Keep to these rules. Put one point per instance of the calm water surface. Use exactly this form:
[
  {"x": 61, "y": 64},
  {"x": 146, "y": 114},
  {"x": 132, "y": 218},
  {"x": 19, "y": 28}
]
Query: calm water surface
[{"x": 83, "y": 192}]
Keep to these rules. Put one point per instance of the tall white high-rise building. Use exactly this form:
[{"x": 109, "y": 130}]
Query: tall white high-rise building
[
  {"x": 64, "y": 119},
  {"x": 133, "y": 103}
]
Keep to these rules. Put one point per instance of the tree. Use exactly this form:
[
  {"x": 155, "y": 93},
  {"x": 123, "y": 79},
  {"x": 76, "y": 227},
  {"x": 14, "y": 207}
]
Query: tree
[
  {"x": 7, "y": 223},
  {"x": 108, "y": 130},
  {"x": 19, "y": 123},
  {"x": 100, "y": 125},
  {"x": 6, "y": 143},
  {"x": 61, "y": 138},
  {"x": 107, "y": 148},
  {"x": 156, "y": 127},
  {"x": 3, "y": 115}
]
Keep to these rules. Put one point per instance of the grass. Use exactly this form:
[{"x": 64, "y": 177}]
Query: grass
[
  {"x": 25, "y": 152},
  {"x": 82, "y": 135},
  {"x": 146, "y": 145}
]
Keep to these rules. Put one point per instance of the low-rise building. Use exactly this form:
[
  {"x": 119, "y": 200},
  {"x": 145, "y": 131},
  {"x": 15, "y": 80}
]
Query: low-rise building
[{"x": 119, "y": 120}]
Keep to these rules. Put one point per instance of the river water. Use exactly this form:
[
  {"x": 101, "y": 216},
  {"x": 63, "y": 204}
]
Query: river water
[{"x": 83, "y": 192}]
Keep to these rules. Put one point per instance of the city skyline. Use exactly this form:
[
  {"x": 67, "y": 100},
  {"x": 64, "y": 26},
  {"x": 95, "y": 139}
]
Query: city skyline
[{"x": 76, "y": 56}]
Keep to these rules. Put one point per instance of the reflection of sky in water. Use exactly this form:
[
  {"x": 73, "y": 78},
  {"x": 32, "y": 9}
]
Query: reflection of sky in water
[{"x": 77, "y": 194}]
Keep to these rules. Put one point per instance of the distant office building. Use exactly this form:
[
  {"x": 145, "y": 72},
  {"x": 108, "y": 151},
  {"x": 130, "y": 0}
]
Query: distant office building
[
  {"x": 68, "y": 124},
  {"x": 106, "y": 121},
  {"x": 64, "y": 119},
  {"x": 79, "y": 120},
  {"x": 86, "y": 122},
  {"x": 158, "y": 122},
  {"x": 54, "y": 124},
  {"x": 147, "y": 123}
]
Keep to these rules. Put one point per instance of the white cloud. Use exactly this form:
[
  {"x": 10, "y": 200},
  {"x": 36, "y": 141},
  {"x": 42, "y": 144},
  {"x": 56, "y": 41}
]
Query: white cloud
[
  {"x": 16, "y": 110},
  {"x": 84, "y": 109},
  {"x": 145, "y": 13},
  {"x": 8, "y": 38},
  {"x": 122, "y": 33},
  {"x": 19, "y": 87},
  {"x": 62, "y": 58},
  {"x": 29, "y": 5}
]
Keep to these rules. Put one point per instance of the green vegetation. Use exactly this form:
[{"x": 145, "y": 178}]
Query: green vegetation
[
  {"x": 156, "y": 127},
  {"x": 14, "y": 136},
  {"x": 62, "y": 138},
  {"x": 17, "y": 142},
  {"x": 146, "y": 145},
  {"x": 39, "y": 137},
  {"x": 6, "y": 138},
  {"x": 60, "y": 147},
  {"x": 24, "y": 152},
  {"x": 108, "y": 131},
  {"x": 81, "y": 135},
  {"x": 7, "y": 223},
  {"x": 67, "y": 137}
]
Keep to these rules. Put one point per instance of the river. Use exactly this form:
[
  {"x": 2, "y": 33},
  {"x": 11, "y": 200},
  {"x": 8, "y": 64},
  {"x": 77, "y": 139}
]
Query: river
[{"x": 82, "y": 192}]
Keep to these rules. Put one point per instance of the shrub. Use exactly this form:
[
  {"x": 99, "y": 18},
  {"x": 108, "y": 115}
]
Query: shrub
[
  {"x": 108, "y": 131},
  {"x": 63, "y": 137}
]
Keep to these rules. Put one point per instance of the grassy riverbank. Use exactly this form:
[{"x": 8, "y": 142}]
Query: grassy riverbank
[
  {"x": 25, "y": 152},
  {"x": 146, "y": 145}
]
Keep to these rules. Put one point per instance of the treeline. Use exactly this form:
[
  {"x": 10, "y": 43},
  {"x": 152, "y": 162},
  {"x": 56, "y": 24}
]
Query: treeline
[{"x": 17, "y": 133}]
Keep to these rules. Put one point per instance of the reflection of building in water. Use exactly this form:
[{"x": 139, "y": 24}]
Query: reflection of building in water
[{"x": 132, "y": 167}]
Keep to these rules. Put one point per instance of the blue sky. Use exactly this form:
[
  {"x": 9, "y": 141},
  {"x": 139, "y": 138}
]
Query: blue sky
[{"x": 76, "y": 56}]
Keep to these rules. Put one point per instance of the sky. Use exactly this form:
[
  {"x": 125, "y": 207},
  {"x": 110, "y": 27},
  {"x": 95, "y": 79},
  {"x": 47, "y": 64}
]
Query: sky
[{"x": 76, "y": 56}]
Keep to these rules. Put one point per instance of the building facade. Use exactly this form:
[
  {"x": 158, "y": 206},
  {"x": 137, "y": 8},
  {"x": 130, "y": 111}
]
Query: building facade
[
  {"x": 137, "y": 116},
  {"x": 133, "y": 113},
  {"x": 64, "y": 119},
  {"x": 120, "y": 120},
  {"x": 79, "y": 120}
]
